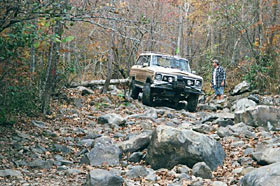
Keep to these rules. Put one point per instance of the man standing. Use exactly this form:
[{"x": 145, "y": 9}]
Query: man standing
[{"x": 218, "y": 79}]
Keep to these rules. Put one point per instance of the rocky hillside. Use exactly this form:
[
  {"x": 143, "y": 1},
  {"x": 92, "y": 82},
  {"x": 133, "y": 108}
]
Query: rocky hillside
[{"x": 110, "y": 140}]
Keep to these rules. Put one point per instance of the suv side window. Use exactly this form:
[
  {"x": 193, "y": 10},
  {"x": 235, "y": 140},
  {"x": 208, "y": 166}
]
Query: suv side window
[{"x": 144, "y": 59}]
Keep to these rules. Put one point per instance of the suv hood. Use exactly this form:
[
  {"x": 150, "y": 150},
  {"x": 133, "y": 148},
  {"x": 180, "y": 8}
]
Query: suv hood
[{"x": 174, "y": 72}]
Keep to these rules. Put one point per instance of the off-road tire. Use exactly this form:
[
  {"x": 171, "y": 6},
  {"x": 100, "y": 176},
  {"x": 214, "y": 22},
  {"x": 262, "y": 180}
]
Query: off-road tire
[
  {"x": 147, "y": 98},
  {"x": 133, "y": 90},
  {"x": 192, "y": 102}
]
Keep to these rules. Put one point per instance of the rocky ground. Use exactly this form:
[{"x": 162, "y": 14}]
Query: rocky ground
[{"x": 94, "y": 139}]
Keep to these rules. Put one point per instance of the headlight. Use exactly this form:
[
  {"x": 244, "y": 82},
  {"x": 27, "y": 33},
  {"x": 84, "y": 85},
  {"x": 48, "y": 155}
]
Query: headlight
[
  {"x": 158, "y": 77},
  {"x": 170, "y": 79},
  {"x": 198, "y": 82},
  {"x": 190, "y": 82}
]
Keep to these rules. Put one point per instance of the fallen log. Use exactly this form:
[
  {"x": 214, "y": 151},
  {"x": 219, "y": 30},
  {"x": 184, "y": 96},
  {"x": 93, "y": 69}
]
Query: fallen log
[{"x": 98, "y": 82}]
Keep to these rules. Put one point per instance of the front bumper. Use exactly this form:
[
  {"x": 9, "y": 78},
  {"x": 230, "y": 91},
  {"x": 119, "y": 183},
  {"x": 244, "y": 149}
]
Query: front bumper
[{"x": 177, "y": 87}]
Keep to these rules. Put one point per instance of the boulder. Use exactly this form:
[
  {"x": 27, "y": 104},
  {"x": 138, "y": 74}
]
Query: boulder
[
  {"x": 267, "y": 156},
  {"x": 243, "y": 104},
  {"x": 264, "y": 176},
  {"x": 260, "y": 116},
  {"x": 104, "y": 152},
  {"x": 100, "y": 177},
  {"x": 243, "y": 130},
  {"x": 136, "y": 143},
  {"x": 171, "y": 146},
  {"x": 242, "y": 87}
]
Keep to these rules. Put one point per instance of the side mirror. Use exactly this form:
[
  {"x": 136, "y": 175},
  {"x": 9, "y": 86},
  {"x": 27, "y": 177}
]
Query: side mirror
[{"x": 145, "y": 64}]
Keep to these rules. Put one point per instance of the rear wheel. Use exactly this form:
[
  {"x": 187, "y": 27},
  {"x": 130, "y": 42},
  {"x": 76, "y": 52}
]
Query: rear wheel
[
  {"x": 147, "y": 95},
  {"x": 192, "y": 102},
  {"x": 133, "y": 90}
]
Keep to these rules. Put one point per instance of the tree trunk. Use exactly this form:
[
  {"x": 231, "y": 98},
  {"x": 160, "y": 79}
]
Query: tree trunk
[
  {"x": 109, "y": 65},
  {"x": 180, "y": 32},
  {"x": 53, "y": 59}
]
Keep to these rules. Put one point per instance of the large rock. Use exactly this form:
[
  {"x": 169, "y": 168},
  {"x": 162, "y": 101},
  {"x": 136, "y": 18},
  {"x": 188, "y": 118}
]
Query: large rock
[
  {"x": 242, "y": 87},
  {"x": 264, "y": 176},
  {"x": 260, "y": 116},
  {"x": 243, "y": 104},
  {"x": 170, "y": 146},
  {"x": 135, "y": 143},
  {"x": 104, "y": 152},
  {"x": 267, "y": 156},
  {"x": 112, "y": 119},
  {"x": 243, "y": 130},
  {"x": 100, "y": 177}
]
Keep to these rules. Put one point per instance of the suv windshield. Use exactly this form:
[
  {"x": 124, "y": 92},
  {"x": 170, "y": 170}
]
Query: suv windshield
[{"x": 170, "y": 62}]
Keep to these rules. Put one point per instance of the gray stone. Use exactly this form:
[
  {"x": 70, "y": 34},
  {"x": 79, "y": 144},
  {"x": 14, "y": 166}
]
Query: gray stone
[
  {"x": 100, "y": 177},
  {"x": 241, "y": 129},
  {"x": 170, "y": 146},
  {"x": 135, "y": 157},
  {"x": 10, "y": 172},
  {"x": 73, "y": 171},
  {"x": 61, "y": 148},
  {"x": 210, "y": 118},
  {"x": 267, "y": 100},
  {"x": 243, "y": 104},
  {"x": 223, "y": 132},
  {"x": 92, "y": 135},
  {"x": 207, "y": 107},
  {"x": 111, "y": 119},
  {"x": 78, "y": 102},
  {"x": 136, "y": 143},
  {"x": 224, "y": 122},
  {"x": 85, "y": 91},
  {"x": 203, "y": 128},
  {"x": 41, "y": 164},
  {"x": 151, "y": 176},
  {"x": 39, "y": 124},
  {"x": 86, "y": 142},
  {"x": 137, "y": 172},
  {"x": 267, "y": 156},
  {"x": 181, "y": 169},
  {"x": 104, "y": 152},
  {"x": 219, "y": 183},
  {"x": 263, "y": 176},
  {"x": 264, "y": 116},
  {"x": 202, "y": 170},
  {"x": 242, "y": 87},
  {"x": 254, "y": 98}
]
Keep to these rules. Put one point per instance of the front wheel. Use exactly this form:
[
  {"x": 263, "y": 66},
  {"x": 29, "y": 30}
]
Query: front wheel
[
  {"x": 147, "y": 95},
  {"x": 192, "y": 102},
  {"x": 133, "y": 90}
]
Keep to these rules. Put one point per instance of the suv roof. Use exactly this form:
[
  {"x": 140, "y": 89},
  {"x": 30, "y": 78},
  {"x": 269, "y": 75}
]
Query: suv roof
[{"x": 161, "y": 54}]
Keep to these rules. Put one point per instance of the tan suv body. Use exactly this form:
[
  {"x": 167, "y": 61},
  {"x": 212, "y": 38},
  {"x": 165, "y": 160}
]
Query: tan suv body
[{"x": 165, "y": 77}]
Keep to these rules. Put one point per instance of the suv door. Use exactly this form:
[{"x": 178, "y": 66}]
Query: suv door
[{"x": 142, "y": 64}]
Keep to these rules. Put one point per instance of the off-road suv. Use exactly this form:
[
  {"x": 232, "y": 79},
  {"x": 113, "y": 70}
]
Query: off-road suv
[{"x": 165, "y": 77}]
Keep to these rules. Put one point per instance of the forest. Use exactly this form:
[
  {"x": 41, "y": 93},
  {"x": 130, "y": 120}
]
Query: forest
[
  {"x": 58, "y": 126},
  {"x": 46, "y": 45}
]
